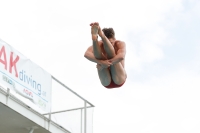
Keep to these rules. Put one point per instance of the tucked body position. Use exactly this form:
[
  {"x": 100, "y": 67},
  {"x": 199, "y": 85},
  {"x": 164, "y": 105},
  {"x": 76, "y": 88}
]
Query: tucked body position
[{"x": 109, "y": 56}]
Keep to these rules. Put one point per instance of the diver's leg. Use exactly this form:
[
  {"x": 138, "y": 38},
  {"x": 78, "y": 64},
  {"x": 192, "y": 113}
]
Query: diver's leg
[
  {"x": 108, "y": 47},
  {"x": 104, "y": 73}
]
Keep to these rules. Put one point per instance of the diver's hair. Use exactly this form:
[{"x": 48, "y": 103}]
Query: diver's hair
[{"x": 109, "y": 32}]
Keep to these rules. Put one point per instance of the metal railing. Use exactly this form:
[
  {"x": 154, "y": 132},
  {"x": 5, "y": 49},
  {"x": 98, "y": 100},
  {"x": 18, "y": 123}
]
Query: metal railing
[
  {"x": 83, "y": 120},
  {"x": 81, "y": 111}
]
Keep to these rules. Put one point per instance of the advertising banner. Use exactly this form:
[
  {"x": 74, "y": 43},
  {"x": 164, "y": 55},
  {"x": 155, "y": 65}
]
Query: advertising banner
[{"x": 24, "y": 77}]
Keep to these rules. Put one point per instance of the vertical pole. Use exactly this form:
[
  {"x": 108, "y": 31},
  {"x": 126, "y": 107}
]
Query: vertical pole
[
  {"x": 85, "y": 116},
  {"x": 81, "y": 121},
  {"x": 49, "y": 120},
  {"x": 7, "y": 96}
]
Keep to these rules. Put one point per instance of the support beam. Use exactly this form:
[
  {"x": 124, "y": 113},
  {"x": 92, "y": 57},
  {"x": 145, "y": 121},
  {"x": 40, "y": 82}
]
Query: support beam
[{"x": 66, "y": 110}]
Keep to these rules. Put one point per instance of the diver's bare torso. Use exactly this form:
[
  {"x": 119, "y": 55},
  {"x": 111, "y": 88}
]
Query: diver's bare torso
[{"x": 116, "y": 47}]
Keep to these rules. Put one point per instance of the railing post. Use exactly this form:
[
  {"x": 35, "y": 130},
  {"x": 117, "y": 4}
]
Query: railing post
[
  {"x": 81, "y": 120},
  {"x": 85, "y": 117},
  {"x": 49, "y": 120}
]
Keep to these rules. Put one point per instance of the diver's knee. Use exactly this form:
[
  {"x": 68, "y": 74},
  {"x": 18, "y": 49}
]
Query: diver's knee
[
  {"x": 106, "y": 81},
  {"x": 119, "y": 80}
]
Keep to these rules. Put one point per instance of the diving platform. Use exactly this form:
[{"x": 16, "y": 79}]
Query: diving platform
[
  {"x": 34, "y": 101},
  {"x": 17, "y": 117}
]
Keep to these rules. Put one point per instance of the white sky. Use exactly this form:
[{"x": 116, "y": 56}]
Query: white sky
[{"x": 161, "y": 93}]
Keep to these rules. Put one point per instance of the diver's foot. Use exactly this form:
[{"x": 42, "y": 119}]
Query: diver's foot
[
  {"x": 100, "y": 32},
  {"x": 94, "y": 30}
]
